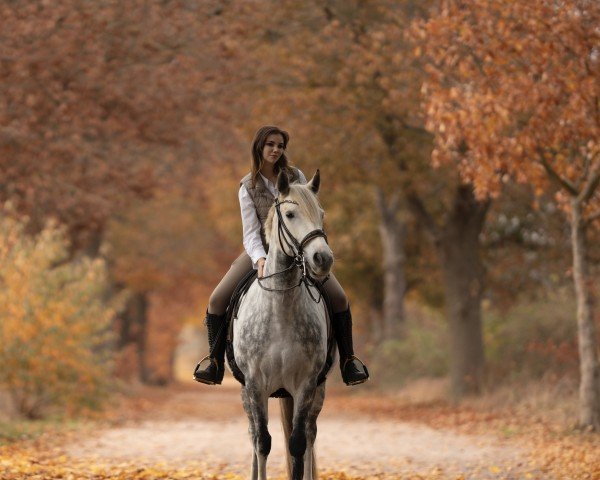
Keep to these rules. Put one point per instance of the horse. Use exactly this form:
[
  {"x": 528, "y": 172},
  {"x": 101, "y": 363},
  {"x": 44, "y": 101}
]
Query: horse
[{"x": 280, "y": 334}]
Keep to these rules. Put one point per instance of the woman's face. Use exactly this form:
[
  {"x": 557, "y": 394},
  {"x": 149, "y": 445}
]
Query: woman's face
[{"x": 273, "y": 148}]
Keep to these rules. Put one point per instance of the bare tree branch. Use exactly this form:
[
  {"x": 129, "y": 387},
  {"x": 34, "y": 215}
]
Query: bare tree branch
[
  {"x": 419, "y": 210},
  {"x": 563, "y": 182},
  {"x": 592, "y": 184},
  {"x": 387, "y": 206}
]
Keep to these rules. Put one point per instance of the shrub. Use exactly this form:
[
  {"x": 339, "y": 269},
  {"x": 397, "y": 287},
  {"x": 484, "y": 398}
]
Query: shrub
[
  {"x": 533, "y": 339},
  {"x": 420, "y": 352},
  {"x": 54, "y": 323}
]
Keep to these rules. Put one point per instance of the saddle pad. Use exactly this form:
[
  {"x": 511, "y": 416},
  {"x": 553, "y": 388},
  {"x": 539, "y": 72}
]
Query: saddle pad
[{"x": 231, "y": 317}]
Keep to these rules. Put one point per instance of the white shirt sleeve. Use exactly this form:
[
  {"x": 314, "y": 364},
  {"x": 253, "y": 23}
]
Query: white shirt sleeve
[{"x": 251, "y": 228}]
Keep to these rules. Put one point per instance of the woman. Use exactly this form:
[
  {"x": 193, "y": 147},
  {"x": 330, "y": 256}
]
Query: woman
[{"x": 257, "y": 193}]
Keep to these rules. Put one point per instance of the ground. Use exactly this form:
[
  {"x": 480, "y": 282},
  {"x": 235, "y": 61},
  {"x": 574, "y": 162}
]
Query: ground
[{"x": 196, "y": 431}]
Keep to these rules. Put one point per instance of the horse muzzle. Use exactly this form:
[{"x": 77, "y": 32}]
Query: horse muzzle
[{"x": 320, "y": 264}]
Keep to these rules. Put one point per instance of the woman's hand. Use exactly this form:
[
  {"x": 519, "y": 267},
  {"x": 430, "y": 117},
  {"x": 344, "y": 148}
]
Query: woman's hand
[{"x": 260, "y": 263}]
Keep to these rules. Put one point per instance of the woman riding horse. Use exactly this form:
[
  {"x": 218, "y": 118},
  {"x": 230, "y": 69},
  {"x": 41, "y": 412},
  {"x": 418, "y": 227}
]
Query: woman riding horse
[{"x": 257, "y": 193}]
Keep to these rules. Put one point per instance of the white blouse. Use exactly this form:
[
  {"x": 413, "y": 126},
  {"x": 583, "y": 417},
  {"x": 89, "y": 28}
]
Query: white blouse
[{"x": 251, "y": 223}]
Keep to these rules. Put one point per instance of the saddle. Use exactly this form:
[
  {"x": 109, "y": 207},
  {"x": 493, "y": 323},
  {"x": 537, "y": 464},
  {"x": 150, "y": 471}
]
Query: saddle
[{"x": 231, "y": 317}]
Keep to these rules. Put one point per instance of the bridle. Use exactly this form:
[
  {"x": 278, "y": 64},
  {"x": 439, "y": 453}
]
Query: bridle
[{"x": 297, "y": 255}]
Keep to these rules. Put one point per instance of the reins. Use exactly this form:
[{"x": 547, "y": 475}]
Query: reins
[{"x": 298, "y": 260}]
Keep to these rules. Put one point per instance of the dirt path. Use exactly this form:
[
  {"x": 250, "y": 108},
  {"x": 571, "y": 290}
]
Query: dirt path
[{"x": 208, "y": 427}]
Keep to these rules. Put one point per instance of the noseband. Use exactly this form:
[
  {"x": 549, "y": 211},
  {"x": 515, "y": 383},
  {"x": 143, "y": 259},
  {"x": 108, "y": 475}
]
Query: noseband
[{"x": 297, "y": 256}]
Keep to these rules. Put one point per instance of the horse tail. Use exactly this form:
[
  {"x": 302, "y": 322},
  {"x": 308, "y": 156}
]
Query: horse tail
[{"x": 287, "y": 415}]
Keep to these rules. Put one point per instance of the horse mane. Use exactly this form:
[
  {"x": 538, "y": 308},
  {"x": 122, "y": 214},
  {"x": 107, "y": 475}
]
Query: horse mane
[{"x": 307, "y": 201}]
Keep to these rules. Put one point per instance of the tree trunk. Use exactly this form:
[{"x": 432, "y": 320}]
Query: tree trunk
[
  {"x": 457, "y": 244},
  {"x": 133, "y": 323},
  {"x": 463, "y": 273},
  {"x": 374, "y": 316},
  {"x": 589, "y": 387},
  {"x": 392, "y": 231}
]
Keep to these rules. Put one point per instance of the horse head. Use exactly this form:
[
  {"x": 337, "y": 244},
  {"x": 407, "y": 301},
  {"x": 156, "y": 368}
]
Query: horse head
[{"x": 302, "y": 217}]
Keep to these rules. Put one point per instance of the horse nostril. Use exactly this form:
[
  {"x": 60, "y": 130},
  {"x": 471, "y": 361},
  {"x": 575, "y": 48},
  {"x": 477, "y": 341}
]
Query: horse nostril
[
  {"x": 318, "y": 258},
  {"x": 323, "y": 261}
]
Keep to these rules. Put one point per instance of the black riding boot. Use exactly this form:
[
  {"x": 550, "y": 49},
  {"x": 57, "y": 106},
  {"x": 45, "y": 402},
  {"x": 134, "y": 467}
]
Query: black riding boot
[
  {"x": 212, "y": 374},
  {"x": 353, "y": 370}
]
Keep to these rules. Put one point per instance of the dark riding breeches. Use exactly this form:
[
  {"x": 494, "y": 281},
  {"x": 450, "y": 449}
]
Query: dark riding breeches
[{"x": 219, "y": 299}]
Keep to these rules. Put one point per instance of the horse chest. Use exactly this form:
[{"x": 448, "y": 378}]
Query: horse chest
[
  {"x": 280, "y": 339},
  {"x": 264, "y": 332}
]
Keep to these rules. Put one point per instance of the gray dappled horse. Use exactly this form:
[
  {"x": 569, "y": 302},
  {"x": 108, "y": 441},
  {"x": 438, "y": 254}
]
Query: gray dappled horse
[{"x": 280, "y": 335}]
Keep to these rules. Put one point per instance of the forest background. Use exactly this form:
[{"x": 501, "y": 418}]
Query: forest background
[{"x": 458, "y": 148}]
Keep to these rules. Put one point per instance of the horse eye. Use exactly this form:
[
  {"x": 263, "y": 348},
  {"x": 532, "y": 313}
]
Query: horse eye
[{"x": 289, "y": 214}]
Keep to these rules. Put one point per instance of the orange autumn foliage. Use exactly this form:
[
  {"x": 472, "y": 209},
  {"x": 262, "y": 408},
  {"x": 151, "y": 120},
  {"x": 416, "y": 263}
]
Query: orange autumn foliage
[
  {"x": 513, "y": 93},
  {"x": 55, "y": 325}
]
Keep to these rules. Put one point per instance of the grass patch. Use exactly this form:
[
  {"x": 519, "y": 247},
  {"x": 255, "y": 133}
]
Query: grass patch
[{"x": 21, "y": 430}]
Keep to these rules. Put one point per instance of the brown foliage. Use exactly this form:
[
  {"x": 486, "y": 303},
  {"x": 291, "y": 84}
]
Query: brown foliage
[
  {"x": 513, "y": 91},
  {"x": 101, "y": 102}
]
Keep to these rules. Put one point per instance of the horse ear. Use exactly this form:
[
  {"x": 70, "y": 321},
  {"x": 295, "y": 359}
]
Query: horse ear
[
  {"x": 283, "y": 183},
  {"x": 315, "y": 182}
]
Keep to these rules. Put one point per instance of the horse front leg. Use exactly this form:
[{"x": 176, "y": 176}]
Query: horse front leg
[
  {"x": 303, "y": 406},
  {"x": 310, "y": 466},
  {"x": 256, "y": 406},
  {"x": 251, "y": 430}
]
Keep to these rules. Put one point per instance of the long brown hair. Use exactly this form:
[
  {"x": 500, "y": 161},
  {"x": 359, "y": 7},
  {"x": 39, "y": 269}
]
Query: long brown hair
[{"x": 259, "y": 144}]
